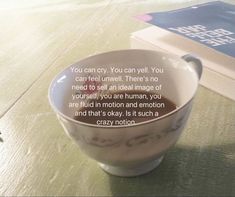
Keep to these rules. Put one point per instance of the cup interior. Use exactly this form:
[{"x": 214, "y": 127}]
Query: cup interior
[{"x": 179, "y": 81}]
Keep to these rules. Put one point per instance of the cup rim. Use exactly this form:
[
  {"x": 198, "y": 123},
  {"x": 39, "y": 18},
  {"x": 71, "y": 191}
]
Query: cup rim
[{"x": 58, "y": 112}]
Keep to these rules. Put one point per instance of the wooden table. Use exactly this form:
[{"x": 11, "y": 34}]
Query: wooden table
[{"x": 37, "y": 40}]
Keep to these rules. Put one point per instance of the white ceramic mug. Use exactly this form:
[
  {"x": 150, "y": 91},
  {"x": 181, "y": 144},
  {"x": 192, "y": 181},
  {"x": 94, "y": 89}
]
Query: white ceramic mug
[{"x": 130, "y": 150}]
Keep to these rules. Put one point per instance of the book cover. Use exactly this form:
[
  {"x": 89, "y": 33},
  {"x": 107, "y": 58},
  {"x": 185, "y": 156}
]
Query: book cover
[
  {"x": 199, "y": 31},
  {"x": 211, "y": 24}
]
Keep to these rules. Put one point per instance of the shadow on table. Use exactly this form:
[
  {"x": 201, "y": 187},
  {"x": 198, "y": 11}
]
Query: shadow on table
[{"x": 185, "y": 171}]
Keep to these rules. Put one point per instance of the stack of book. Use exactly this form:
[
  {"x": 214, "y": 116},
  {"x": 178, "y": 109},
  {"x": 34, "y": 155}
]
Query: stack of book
[{"x": 206, "y": 31}]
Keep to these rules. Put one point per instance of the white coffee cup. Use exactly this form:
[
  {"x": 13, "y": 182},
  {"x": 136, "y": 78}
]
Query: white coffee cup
[{"x": 130, "y": 150}]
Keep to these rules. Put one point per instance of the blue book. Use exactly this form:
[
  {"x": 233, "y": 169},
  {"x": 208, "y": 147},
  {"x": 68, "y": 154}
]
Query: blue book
[
  {"x": 211, "y": 24},
  {"x": 205, "y": 30}
]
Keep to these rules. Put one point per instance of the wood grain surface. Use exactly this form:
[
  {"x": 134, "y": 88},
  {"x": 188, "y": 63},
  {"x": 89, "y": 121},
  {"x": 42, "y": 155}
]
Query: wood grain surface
[{"x": 40, "y": 38}]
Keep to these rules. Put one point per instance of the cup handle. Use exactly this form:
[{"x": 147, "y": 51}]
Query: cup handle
[{"x": 195, "y": 63}]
